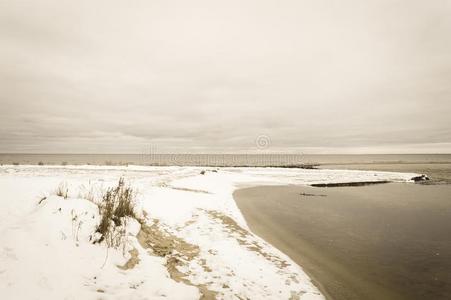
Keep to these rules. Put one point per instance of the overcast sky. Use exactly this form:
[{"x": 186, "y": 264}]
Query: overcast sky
[{"x": 212, "y": 76}]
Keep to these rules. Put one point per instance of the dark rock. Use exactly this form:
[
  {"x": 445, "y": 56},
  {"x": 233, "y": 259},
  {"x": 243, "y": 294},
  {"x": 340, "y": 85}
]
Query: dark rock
[
  {"x": 341, "y": 184},
  {"x": 420, "y": 178},
  {"x": 312, "y": 195}
]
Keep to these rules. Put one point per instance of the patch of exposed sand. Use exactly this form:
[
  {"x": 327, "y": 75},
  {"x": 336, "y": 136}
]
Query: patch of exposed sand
[
  {"x": 245, "y": 238},
  {"x": 132, "y": 261},
  {"x": 177, "y": 252}
]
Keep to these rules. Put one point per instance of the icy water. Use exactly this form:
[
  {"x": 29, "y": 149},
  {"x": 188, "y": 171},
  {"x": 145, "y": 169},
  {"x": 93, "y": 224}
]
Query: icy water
[
  {"x": 226, "y": 159},
  {"x": 155, "y": 159},
  {"x": 389, "y": 241}
]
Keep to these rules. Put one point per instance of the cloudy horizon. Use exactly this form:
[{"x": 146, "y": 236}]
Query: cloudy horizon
[{"x": 216, "y": 76}]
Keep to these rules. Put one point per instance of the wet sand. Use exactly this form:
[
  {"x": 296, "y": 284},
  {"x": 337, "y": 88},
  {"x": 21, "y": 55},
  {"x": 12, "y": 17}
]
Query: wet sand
[{"x": 389, "y": 241}]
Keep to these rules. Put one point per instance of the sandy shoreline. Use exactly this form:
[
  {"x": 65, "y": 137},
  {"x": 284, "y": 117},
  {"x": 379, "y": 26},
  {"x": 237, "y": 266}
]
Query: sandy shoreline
[
  {"x": 273, "y": 234},
  {"x": 348, "y": 253}
]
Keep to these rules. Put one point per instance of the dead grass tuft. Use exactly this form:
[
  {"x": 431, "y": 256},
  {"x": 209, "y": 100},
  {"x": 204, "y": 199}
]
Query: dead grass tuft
[
  {"x": 62, "y": 190},
  {"x": 117, "y": 204},
  {"x": 89, "y": 192}
]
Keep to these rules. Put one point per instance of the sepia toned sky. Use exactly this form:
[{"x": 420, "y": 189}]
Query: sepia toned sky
[{"x": 343, "y": 76}]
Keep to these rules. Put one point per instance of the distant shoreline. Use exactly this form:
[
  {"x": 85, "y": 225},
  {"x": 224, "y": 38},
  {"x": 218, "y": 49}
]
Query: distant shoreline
[{"x": 308, "y": 161}]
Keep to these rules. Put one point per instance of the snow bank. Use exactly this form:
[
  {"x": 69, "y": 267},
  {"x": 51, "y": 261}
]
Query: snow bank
[{"x": 45, "y": 240}]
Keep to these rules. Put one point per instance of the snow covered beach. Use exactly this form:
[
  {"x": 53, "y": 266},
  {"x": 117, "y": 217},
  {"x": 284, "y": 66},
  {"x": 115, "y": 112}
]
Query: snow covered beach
[{"x": 195, "y": 242}]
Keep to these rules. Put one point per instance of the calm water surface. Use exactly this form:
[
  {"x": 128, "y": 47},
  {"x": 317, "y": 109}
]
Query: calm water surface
[{"x": 390, "y": 241}]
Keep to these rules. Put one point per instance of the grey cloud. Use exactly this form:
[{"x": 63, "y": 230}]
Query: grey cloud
[{"x": 326, "y": 76}]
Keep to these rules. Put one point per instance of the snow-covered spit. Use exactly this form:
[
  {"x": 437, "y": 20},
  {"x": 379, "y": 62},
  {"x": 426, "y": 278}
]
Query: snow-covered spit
[{"x": 207, "y": 250}]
